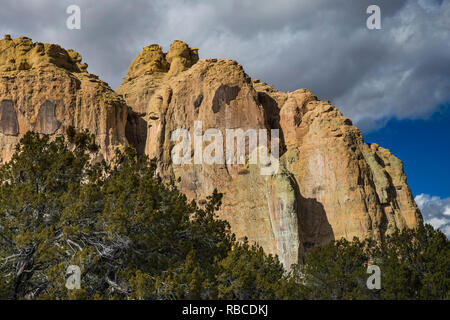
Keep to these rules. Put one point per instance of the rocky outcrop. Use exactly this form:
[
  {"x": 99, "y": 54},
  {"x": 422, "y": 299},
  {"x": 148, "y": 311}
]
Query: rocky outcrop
[
  {"x": 349, "y": 190},
  {"x": 148, "y": 71},
  {"x": 46, "y": 88},
  {"x": 220, "y": 95},
  {"x": 327, "y": 184},
  {"x": 330, "y": 184}
]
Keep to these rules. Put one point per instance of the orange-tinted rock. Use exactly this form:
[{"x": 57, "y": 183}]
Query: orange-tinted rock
[
  {"x": 335, "y": 168},
  {"x": 148, "y": 72},
  {"x": 330, "y": 184},
  {"x": 220, "y": 95},
  {"x": 46, "y": 88}
]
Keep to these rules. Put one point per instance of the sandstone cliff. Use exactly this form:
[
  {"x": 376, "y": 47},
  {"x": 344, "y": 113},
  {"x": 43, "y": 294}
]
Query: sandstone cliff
[
  {"x": 148, "y": 71},
  {"x": 330, "y": 183},
  {"x": 46, "y": 88}
]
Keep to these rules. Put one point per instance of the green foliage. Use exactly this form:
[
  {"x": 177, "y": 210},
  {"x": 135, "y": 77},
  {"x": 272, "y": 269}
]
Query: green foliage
[
  {"x": 135, "y": 237},
  {"x": 337, "y": 271},
  {"x": 248, "y": 273},
  {"x": 414, "y": 264}
]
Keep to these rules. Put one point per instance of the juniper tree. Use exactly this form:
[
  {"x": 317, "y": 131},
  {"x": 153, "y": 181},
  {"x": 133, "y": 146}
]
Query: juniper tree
[{"x": 132, "y": 236}]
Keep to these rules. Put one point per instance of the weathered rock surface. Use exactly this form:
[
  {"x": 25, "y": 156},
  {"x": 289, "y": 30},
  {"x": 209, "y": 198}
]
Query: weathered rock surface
[
  {"x": 249, "y": 202},
  {"x": 46, "y": 88},
  {"x": 148, "y": 71},
  {"x": 330, "y": 183}
]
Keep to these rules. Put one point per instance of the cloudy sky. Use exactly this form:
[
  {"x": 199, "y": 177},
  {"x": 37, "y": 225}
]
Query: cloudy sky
[{"x": 394, "y": 83}]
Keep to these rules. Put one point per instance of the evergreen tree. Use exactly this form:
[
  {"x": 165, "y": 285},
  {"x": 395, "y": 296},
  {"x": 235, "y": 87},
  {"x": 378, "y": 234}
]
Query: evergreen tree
[
  {"x": 248, "y": 273},
  {"x": 135, "y": 237},
  {"x": 414, "y": 264},
  {"x": 132, "y": 236}
]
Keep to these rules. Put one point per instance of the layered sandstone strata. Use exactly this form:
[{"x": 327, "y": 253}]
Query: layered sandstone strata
[{"x": 45, "y": 88}]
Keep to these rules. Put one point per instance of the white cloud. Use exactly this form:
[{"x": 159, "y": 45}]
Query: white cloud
[
  {"x": 435, "y": 211},
  {"x": 446, "y": 230},
  {"x": 437, "y": 222},
  {"x": 447, "y": 211},
  {"x": 423, "y": 200}
]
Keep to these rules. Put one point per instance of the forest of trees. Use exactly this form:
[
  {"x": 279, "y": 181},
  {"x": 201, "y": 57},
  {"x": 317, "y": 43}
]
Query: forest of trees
[{"x": 135, "y": 237}]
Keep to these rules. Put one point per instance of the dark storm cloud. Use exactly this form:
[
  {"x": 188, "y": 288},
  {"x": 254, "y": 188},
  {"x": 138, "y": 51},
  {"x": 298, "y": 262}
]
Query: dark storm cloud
[{"x": 400, "y": 71}]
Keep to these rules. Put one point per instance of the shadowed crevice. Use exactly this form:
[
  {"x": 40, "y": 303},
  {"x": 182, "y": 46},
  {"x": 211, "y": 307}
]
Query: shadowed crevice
[
  {"x": 46, "y": 122},
  {"x": 8, "y": 118},
  {"x": 224, "y": 95},
  {"x": 136, "y": 131}
]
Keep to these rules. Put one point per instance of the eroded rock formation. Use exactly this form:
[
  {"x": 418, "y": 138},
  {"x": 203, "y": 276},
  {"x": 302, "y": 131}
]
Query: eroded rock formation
[
  {"x": 46, "y": 88},
  {"x": 148, "y": 71},
  {"x": 330, "y": 183}
]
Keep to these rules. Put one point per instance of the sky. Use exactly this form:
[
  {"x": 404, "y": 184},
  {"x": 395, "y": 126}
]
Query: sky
[{"x": 394, "y": 83}]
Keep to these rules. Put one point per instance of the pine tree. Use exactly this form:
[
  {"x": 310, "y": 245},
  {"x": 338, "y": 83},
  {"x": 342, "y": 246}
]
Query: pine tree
[
  {"x": 135, "y": 237},
  {"x": 131, "y": 235}
]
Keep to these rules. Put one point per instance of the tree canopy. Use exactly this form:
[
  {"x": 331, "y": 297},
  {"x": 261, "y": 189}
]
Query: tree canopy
[{"x": 134, "y": 236}]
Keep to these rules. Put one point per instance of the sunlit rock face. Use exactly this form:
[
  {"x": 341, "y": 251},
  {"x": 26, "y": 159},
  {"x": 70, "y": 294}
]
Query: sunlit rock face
[
  {"x": 46, "y": 89},
  {"x": 146, "y": 73},
  {"x": 328, "y": 182},
  {"x": 329, "y": 185}
]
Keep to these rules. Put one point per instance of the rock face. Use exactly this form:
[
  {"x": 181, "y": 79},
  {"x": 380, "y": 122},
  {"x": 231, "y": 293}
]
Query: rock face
[
  {"x": 151, "y": 68},
  {"x": 330, "y": 184},
  {"x": 46, "y": 88}
]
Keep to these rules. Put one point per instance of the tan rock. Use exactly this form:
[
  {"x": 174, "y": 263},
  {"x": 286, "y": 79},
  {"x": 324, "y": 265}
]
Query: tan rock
[
  {"x": 46, "y": 88},
  {"x": 181, "y": 57},
  {"x": 259, "y": 207},
  {"x": 330, "y": 183}
]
